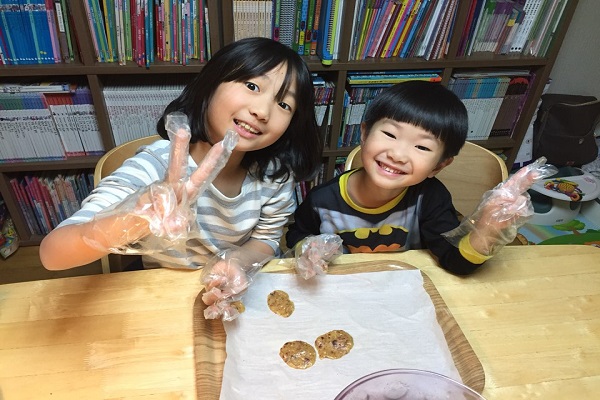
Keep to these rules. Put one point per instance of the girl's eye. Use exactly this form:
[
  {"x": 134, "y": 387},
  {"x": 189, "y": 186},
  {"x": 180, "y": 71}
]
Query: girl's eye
[
  {"x": 252, "y": 86},
  {"x": 285, "y": 106}
]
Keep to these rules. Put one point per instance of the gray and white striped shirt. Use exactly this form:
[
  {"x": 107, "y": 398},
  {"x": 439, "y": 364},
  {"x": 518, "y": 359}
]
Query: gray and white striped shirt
[{"x": 259, "y": 212}]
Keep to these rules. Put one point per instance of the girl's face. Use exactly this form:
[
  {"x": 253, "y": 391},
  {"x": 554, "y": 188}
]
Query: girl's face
[
  {"x": 252, "y": 109},
  {"x": 396, "y": 155}
]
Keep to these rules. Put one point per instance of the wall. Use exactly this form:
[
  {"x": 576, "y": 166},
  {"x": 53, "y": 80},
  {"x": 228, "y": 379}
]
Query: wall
[{"x": 578, "y": 63}]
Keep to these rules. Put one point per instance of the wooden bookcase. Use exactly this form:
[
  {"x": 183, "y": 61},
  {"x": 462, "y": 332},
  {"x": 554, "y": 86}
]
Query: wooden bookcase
[{"x": 85, "y": 69}]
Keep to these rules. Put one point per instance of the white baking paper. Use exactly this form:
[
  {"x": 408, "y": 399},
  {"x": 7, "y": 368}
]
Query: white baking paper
[{"x": 389, "y": 315}]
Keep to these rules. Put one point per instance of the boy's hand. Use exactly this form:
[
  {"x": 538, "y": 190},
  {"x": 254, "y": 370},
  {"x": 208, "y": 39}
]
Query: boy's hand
[{"x": 502, "y": 211}]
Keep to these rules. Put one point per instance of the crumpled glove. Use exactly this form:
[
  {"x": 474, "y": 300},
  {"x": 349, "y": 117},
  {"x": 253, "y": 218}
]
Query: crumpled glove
[
  {"x": 314, "y": 253},
  {"x": 502, "y": 211},
  {"x": 162, "y": 216},
  {"x": 226, "y": 278}
]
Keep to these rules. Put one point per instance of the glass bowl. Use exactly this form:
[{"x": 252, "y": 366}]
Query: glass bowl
[{"x": 407, "y": 384}]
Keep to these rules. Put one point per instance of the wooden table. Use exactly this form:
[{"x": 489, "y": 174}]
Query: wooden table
[{"x": 532, "y": 315}]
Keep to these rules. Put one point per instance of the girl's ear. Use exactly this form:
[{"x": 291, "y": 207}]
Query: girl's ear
[{"x": 441, "y": 166}]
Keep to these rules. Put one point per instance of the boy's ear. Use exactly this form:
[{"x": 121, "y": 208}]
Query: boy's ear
[
  {"x": 441, "y": 166},
  {"x": 363, "y": 133}
]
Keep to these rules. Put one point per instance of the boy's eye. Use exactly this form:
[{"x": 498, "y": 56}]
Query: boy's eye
[
  {"x": 424, "y": 148},
  {"x": 389, "y": 135},
  {"x": 252, "y": 86}
]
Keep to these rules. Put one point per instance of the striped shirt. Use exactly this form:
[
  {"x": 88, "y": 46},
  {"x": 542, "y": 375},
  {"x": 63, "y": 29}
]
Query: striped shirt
[{"x": 258, "y": 212}]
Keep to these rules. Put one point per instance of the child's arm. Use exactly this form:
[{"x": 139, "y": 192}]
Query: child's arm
[
  {"x": 147, "y": 221},
  {"x": 65, "y": 247},
  {"x": 501, "y": 212}
]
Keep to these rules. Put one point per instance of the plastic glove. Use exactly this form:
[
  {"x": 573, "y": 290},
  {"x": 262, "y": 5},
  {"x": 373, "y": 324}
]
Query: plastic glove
[
  {"x": 314, "y": 254},
  {"x": 162, "y": 216},
  {"x": 226, "y": 278},
  {"x": 502, "y": 211}
]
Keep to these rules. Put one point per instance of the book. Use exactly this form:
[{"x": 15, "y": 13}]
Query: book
[
  {"x": 327, "y": 35},
  {"x": 531, "y": 9},
  {"x": 512, "y": 104},
  {"x": 38, "y": 87}
]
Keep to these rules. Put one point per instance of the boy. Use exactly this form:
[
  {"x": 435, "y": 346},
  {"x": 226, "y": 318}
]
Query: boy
[{"x": 410, "y": 132}]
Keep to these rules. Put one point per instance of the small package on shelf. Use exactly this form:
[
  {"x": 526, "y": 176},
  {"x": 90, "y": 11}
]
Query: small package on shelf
[{"x": 9, "y": 240}]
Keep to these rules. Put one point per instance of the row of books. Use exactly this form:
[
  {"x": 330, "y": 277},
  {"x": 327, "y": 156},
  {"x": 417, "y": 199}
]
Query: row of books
[
  {"x": 493, "y": 100},
  {"x": 135, "y": 109},
  {"x": 310, "y": 27},
  {"x": 35, "y": 32},
  {"x": 145, "y": 30},
  {"x": 47, "y": 199},
  {"x": 402, "y": 28},
  {"x": 362, "y": 88},
  {"x": 511, "y": 26},
  {"x": 36, "y": 126}
]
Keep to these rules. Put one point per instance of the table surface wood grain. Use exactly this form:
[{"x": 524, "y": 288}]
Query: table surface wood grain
[{"x": 531, "y": 315}]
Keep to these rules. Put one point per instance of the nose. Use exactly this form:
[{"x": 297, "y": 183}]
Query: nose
[
  {"x": 260, "y": 107},
  {"x": 398, "y": 153}
]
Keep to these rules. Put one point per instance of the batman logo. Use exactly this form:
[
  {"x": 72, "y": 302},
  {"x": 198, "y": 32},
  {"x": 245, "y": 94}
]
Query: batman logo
[{"x": 374, "y": 240}]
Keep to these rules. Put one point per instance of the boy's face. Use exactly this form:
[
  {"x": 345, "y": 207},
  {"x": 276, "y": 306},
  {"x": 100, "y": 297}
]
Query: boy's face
[{"x": 396, "y": 155}]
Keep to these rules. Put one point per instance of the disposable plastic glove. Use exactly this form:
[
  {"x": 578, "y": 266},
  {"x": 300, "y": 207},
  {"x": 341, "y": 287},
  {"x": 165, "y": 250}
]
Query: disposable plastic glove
[
  {"x": 502, "y": 211},
  {"x": 314, "y": 254},
  {"x": 162, "y": 216},
  {"x": 226, "y": 278}
]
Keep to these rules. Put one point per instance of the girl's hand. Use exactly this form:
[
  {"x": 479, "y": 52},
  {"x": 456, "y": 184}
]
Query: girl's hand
[
  {"x": 152, "y": 219},
  {"x": 226, "y": 278}
]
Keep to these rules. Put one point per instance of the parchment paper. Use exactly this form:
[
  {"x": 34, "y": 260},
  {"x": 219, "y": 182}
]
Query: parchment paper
[{"x": 389, "y": 315}]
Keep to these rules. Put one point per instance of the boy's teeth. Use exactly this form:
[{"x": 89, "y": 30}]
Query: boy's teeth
[{"x": 388, "y": 169}]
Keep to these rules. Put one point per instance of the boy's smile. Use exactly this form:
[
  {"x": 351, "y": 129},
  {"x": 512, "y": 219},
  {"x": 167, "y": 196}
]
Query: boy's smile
[{"x": 396, "y": 155}]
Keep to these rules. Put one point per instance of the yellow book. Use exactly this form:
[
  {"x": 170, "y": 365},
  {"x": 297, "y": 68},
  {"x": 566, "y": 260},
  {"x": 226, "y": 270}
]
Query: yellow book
[
  {"x": 396, "y": 23},
  {"x": 407, "y": 27}
]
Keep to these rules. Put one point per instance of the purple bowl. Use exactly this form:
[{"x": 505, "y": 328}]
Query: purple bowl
[{"x": 407, "y": 384}]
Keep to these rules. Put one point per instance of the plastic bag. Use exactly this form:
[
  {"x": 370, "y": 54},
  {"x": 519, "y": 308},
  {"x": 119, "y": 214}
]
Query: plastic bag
[
  {"x": 502, "y": 211},
  {"x": 162, "y": 216},
  {"x": 226, "y": 277}
]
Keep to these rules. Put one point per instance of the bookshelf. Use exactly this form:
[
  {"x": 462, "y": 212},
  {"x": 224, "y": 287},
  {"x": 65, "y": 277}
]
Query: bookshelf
[{"x": 87, "y": 70}]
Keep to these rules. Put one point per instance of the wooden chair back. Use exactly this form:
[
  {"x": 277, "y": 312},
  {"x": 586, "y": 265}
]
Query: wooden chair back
[
  {"x": 474, "y": 171},
  {"x": 109, "y": 162}
]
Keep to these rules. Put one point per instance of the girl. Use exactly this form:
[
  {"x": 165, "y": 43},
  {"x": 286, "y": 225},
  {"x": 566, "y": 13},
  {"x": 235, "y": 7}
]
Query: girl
[{"x": 260, "y": 89}]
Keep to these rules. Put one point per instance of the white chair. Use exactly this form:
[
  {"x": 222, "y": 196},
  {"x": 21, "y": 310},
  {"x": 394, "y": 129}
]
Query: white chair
[{"x": 474, "y": 171}]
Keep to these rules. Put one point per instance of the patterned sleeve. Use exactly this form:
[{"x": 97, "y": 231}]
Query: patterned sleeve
[
  {"x": 278, "y": 203},
  {"x": 136, "y": 172}
]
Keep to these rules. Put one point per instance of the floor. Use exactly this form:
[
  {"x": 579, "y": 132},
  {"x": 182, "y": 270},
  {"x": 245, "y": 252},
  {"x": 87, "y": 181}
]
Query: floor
[{"x": 25, "y": 265}]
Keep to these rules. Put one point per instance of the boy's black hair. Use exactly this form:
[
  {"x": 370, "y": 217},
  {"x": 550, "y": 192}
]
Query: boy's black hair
[
  {"x": 299, "y": 149},
  {"x": 428, "y": 105}
]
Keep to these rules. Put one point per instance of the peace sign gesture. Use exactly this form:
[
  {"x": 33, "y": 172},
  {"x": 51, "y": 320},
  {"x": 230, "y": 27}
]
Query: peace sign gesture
[{"x": 159, "y": 215}]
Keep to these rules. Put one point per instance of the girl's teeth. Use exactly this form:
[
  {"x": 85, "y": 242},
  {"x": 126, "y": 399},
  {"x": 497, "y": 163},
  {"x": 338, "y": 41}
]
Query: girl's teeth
[{"x": 247, "y": 127}]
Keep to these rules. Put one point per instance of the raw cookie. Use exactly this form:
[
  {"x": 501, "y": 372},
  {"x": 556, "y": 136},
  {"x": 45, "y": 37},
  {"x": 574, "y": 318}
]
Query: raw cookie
[
  {"x": 298, "y": 354},
  {"x": 279, "y": 302},
  {"x": 334, "y": 344}
]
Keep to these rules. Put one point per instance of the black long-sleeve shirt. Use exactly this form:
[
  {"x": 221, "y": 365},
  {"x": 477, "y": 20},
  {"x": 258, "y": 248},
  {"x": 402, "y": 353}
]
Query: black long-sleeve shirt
[{"x": 414, "y": 220}]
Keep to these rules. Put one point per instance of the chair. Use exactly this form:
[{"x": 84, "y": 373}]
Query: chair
[
  {"x": 474, "y": 171},
  {"x": 105, "y": 166}
]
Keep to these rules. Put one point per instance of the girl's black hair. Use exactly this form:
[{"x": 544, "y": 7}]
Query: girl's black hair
[
  {"x": 428, "y": 105},
  {"x": 299, "y": 149}
]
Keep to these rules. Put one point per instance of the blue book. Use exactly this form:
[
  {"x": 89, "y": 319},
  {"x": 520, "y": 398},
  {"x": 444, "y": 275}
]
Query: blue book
[
  {"x": 20, "y": 37},
  {"x": 326, "y": 34},
  {"x": 40, "y": 31},
  {"x": 6, "y": 40}
]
